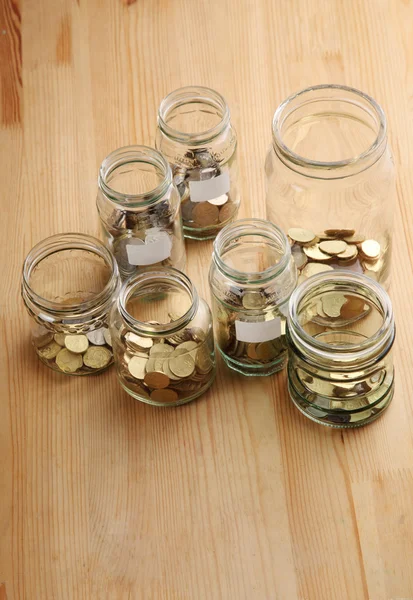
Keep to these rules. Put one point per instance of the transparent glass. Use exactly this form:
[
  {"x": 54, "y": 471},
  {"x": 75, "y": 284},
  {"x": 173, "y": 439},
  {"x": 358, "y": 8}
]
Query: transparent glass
[
  {"x": 340, "y": 335},
  {"x": 162, "y": 338},
  {"x": 196, "y": 135},
  {"x": 330, "y": 178},
  {"x": 252, "y": 276},
  {"x": 69, "y": 284},
  {"x": 139, "y": 208}
]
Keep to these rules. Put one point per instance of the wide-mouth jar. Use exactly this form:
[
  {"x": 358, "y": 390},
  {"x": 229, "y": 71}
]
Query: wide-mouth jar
[{"x": 340, "y": 335}]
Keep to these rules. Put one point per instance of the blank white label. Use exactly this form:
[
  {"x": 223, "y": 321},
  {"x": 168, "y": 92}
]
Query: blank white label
[
  {"x": 258, "y": 332},
  {"x": 155, "y": 250},
  {"x": 201, "y": 191}
]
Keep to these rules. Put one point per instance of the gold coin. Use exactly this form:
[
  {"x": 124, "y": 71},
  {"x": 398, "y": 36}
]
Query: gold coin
[
  {"x": 252, "y": 351},
  {"x": 41, "y": 336},
  {"x": 168, "y": 372},
  {"x": 303, "y": 236},
  {"x": 97, "y": 336},
  {"x": 156, "y": 379},
  {"x": 205, "y": 214},
  {"x": 320, "y": 310},
  {"x": 333, "y": 247},
  {"x": 340, "y": 233},
  {"x": 315, "y": 253},
  {"x": 252, "y": 300},
  {"x": 136, "y": 366},
  {"x": 356, "y": 238},
  {"x": 107, "y": 336},
  {"x": 59, "y": 338},
  {"x": 181, "y": 363},
  {"x": 226, "y": 212},
  {"x": 68, "y": 362},
  {"x": 350, "y": 252},
  {"x": 373, "y": 266},
  {"x": 353, "y": 308},
  {"x": 138, "y": 341},
  {"x": 220, "y": 201},
  {"x": 299, "y": 256},
  {"x": 324, "y": 236},
  {"x": 370, "y": 249},
  {"x": 76, "y": 343},
  {"x": 168, "y": 396},
  {"x": 203, "y": 359},
  {"x": 161, "y": 350},
  {"x": 97, "y": 357},
  {"x": 332, "y": 304},
  {"x": 266, "y": 351},
  {"x": 313, "y": 268},
  {"x": 51, "y": 350}
]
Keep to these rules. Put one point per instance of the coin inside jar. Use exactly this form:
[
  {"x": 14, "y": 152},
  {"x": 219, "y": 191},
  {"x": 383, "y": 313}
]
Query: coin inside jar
[
  {"x": 205, "y": 214},
  {"x": 156, "y": 379},
  {"x": 137, "y": 367},
  {"x": 49, "y": 351},
  {"x": 97, "y": 357},
  {"x": 181, "y": 363},
  {"x": 76, "y": 343},
  {"x": 68, "y": 361},
  {"x": 166, "y": 395}
]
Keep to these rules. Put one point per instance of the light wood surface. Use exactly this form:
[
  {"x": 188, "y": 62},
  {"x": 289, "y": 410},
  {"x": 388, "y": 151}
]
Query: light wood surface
[{"x": 235, "y": 496}]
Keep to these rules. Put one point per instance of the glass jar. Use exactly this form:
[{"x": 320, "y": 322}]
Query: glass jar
[
  {"x": 340, "y": 335},
  {"x": 69, "y": 284},
  {"x": 330, "y": 181},
  {"x": 196, "y": 135},
  {"x": 162, "y": 338},
  {"x": 138, "y": 205},
  {"x": 252, "y": 276}
]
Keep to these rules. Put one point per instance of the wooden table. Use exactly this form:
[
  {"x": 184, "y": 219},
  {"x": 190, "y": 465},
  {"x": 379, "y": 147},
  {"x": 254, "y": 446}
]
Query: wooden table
[{"x": 235, "y": 496}]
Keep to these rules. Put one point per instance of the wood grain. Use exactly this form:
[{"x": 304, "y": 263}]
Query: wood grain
[{"x": 235, "y": 496}]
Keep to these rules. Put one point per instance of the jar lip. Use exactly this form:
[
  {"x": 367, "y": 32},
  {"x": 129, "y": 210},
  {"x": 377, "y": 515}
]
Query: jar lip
[
  {"x": 59, "y": 243},
  {"x": 188, "y": 95},
  {"x": 166, "y": 274},
  {"x": 135, "y": 154},
  {"x": 302, "y": 161},
  {"x": 365, "y": 348},
  {"x": 257, "y": 227}
]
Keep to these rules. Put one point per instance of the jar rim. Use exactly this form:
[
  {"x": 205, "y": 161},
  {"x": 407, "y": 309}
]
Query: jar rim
[
  {"x": 319, "y": 349},
  {"x": 135, "y": 154},
  {"x": 188, "y": 95},
  {"x": 333, "y": 169},
  {"x": 59, "y": 243},
  {"x": 166, "y": 274},
  {"x": 256, "y": 227}
]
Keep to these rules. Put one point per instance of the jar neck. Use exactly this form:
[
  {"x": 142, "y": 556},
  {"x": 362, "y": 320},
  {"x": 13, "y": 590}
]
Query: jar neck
[
  {"x": 186, "y": 101},
  {"x": 140, "y": 158},
  {"x": 147, "y": 281},
  {"x": 239, "y": 234},
  {"x": 336, "y": 101},
  {"x": 343, "y": 356}
]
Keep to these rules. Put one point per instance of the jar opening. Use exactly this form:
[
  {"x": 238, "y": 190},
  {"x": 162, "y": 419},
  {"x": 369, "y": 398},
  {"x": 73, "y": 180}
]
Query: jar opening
[
  {"x": 193, "y": 114},
  {"x": 135, "y": 174},
  {"x": 329, "y": 127},
  {"x": 251, "y": 250}
]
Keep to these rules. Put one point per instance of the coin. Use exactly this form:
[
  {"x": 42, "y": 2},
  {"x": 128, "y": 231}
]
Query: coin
[
  {"x": 299, "y": 256},
  {"x": 332, "y": 304},
  {"x": 252, "y": 300},
  {"x": 97, "y": 357},
  {"x": 156, "y": 379},
  {"x": 313, "y": 268},
  {"x": 41, "y": 336},
  {"x": 107, "y": 336},
  {"x": 301, "y": 235},
  {"x": 181, "y": 363},
  {"x": 353, "y": 307},
  {"x": 370, "y": 249},
  {"x": 373, "y": 266},
  {"x": 49, "y": 351},
  {"x": 226, "y": 212},
  {"x": 252, "y": 351},
  {"x": 266, "y": 351},
  {"x": 59, "y": 338},
  {"x": 161, "y": 350},
  {"x": 76, "y": 343},
  {"x": 97, "y": 336},
  {"x": 138, "y": 341},
  {"x": 315, "y": 253},
  {"x": 333, "y": 247},
  {"x": 350, "y": 252},
  {"x": 203, "y": 359},
  {"x": 340, "y": 233},
  {"x": 136, "y": 366},
  {"x": 68, "y": 361},
  {"x": 205, "y": 214},
  {"x": 168, "y": 396},
  {"x": 220, "y": 201},
  {"x": 356, "y": 238}
]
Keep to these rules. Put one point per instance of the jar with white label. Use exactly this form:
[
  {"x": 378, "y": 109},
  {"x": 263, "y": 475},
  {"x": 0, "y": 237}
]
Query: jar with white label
[
  {"x": 162, "y": 338},
  {"x": 196, "y": 135},
  {"x": 139, "y": 208},
  {"x": 69, "y": 284},
  {"x": 340, "y": 335},
  {"x": 252, "y": 277}
]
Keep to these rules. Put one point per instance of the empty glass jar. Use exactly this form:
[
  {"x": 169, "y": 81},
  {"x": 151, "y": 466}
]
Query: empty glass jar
[
  {"x": 252, "y": 276},
  {"x": 162, "y": 338},
  {"x": 330, "y": 181},
  {"x": 340, "y": 335},
  {"x": 139, "y": 208},
  {"x": 196, "y": 135},
  {"x": 69, "y": 284}
]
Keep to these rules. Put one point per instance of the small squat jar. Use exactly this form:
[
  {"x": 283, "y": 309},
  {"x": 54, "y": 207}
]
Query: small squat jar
[
  {"x": 139, "y": 208},
  {"x": 162, "y": 338},
  {"x": 340, "y": 335},
  {"x": 196, "y": 135},
  {"x": 69, "y": 285},
  {"x": 252, "y": 277}
]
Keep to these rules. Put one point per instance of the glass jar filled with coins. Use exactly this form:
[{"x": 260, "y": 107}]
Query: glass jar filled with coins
[
  {"x": 69, "y": 284},
  {"x": 196, "y": 135},
  {"x": 139, "y": 208},
  {"x": 330, "y": 181},
  {"x": 162, "y": 338},
  {"x": 340, "y": 335},
  {"x": 252, "y": 276}
]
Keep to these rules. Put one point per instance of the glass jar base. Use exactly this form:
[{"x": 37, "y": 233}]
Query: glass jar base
[
  {"x": 165, "y": 404},
  {"x": 255, "y": 370}
]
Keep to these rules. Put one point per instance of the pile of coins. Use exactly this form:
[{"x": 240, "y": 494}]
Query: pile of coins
[
  {"x": 336, "y": 310},
  {"x": 168, "y": 370},
  {"x": 75, "y": 354},
  {"x": 335, "y": 249}
]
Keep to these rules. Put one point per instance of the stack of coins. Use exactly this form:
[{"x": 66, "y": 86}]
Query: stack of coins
[
  {"x": 74, "y": 354},
  {"x": 165, "y": 371},
  {"x": 335, "y": 249}
]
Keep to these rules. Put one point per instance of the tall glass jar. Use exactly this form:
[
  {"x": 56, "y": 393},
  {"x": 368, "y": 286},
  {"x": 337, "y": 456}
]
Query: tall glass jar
[
  {"x": 196, "y": 135},
  {"x": 330, "y": 181},
  {"x": 340, "y": 335},
  {"x": 139, "y": 208},
  {"x": 69, "y": 285},
  {"x": 252, "y": 276},
  {"x": 162, "y": 338}
]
